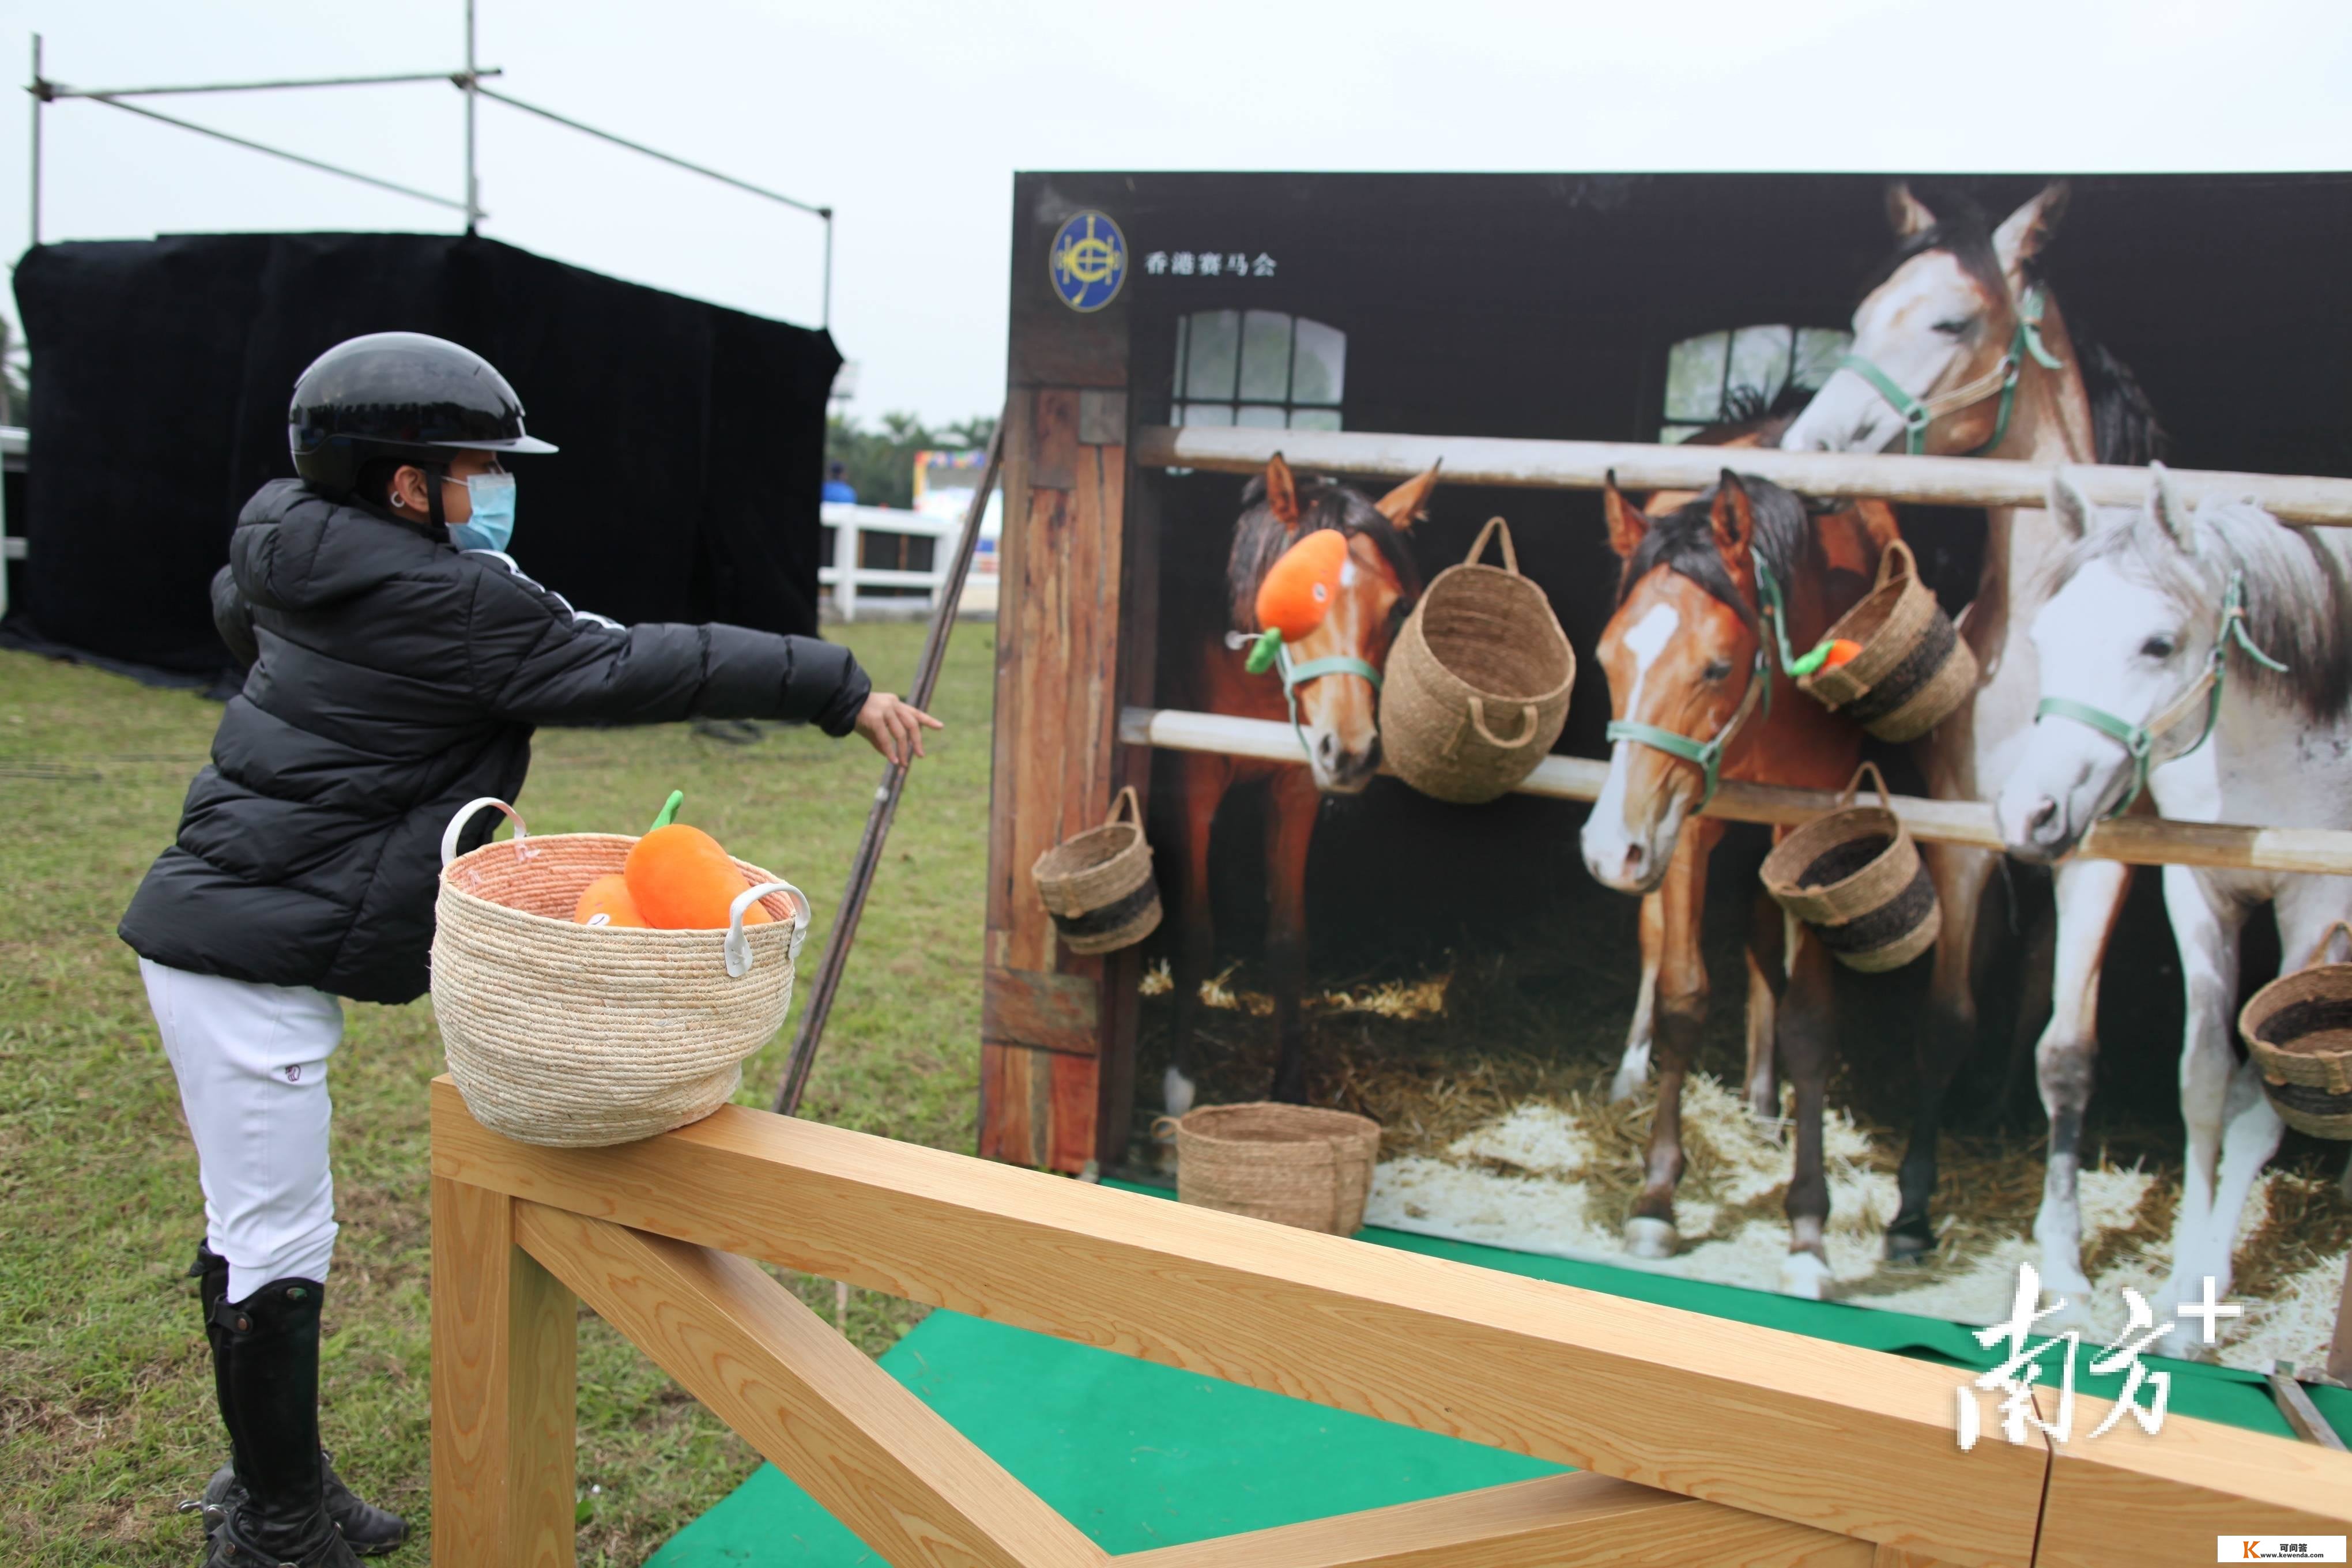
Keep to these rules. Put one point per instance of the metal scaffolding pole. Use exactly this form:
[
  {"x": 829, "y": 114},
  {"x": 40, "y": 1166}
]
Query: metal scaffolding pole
[
  {"x": 40, "y": 97},
  {"x": 469, "y": 80},
  {"x": 473, "y": 97}
]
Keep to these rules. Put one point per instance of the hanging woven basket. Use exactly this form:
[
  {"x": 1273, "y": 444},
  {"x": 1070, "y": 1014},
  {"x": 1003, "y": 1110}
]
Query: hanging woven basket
[
  {"x": 1855, "y": 877},
  {"x": 1098, "y": 885},
  {"x": 1913, "y": 670},
  {"x": 2298, "y": 1030},
  {"x": 583, "y": 1035},
  {"x": 1294, "y": 1164},
  {"x": 1478, "y": 685}
]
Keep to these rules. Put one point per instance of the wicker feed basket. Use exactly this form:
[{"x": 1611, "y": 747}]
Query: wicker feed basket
[
  {"x": 1477, "y": 685},
  {"x": 1855, "y": 877},
  {"x": 577, "y": 1035},
  {"x": 2298, "y": 1030},
  {"x": 1293, "y": 1164},
  {"x": 1098, "y": 885},
  {"x": 1913, "y": 669}
]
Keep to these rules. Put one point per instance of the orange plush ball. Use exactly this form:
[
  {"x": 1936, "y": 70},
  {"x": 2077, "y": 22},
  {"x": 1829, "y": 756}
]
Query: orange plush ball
[
  {"x": 609, "y": 897},
  {"x": 1301, "y": 587},
  {"x": 682, "y": 880}
]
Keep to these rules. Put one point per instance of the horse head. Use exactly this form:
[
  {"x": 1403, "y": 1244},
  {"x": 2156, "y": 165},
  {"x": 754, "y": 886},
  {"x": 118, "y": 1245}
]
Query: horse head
[
  {"x": 1940, "y": 342},
  {"x": 2151, "y": 610},
  {"x": 1680, "y": 653},
  {"x": 1334, "y": 705}
]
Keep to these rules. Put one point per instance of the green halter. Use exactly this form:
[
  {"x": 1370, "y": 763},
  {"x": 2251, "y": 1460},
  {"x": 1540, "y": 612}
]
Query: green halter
[
  {"x": 2138, "y": 741},
  {"x": 1917, "y": 414},
  {"x": 1707, "y": 755},
  {"x": 1294, "y": 676}
]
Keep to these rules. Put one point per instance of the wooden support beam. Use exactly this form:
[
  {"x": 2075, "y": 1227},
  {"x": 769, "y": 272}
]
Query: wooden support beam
[
  {"x": 2125, "y": 1496},
  {"x": 1838, "y": 1439},
  {"x": 2135, "y": 840},
  {"x": 1578, "y": 1520},
  {"x": 871, "y": 1454},
  {"x": 503, "y": 1390},
  {"x": 2294, "y": 498}
]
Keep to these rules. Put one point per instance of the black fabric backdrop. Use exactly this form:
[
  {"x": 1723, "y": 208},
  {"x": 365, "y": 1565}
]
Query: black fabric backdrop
[{"x": 693, "y": 436}]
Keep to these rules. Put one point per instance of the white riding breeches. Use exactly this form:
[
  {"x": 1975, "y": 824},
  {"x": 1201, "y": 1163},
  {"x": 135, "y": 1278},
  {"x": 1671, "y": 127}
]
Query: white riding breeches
[{"x": 252, "y": 1065}]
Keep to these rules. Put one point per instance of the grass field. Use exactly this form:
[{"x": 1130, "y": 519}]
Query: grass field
[{"x": 106, "y": 1416}]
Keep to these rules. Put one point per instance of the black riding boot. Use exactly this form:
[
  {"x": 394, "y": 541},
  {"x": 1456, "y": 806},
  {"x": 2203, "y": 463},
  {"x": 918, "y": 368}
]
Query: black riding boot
[
  {"x": 369, "y": 1530},
  {"x": 266, "y": 1376}
]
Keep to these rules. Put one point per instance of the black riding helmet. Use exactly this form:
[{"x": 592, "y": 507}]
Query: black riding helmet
[{"x": 402, "y": 395}]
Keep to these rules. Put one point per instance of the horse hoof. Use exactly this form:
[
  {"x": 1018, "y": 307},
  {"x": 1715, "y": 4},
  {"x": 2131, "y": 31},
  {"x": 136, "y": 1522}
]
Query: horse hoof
[
  {"x": 1176, "y": 1092},
  {"x": 1910, "y": 1241},
  {"x": 1804, "y": 1276},
  {"x": 1649, "y": 1238}
]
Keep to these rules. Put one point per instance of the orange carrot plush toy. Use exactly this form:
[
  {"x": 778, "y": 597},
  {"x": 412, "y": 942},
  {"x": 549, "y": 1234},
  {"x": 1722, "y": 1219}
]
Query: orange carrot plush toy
[
  {"x": 682, "y": 880},
  {"x": 1299, "y": 590},
  {"x": 608, "y": 896},
  {"x": 1301, "y": 587}
]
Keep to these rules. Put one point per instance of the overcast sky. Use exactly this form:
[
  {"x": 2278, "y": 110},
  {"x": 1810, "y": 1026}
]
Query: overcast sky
[{"x": 909, "y": 117}]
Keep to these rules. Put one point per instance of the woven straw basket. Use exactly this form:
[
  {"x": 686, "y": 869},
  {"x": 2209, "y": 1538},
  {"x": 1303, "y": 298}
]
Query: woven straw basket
[
  {"x": 1477, "y": 685},
  {"x": 1098, "y": 885},
  {"x": 1293, "y": 1164},
  {"x": 578, "y": 1035},
  {"x": 2298, "y": 1030},
  {"x": 1855, "y": 877},
  {"x": 1913, "y": 669}
]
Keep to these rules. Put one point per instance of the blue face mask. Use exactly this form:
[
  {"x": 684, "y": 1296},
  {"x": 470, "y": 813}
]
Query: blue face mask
[{"x": 492, "y": 527}]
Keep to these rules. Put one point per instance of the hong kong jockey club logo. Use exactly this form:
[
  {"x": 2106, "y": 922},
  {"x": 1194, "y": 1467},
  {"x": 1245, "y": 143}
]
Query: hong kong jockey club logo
[{"x": 1089, "y": 262}]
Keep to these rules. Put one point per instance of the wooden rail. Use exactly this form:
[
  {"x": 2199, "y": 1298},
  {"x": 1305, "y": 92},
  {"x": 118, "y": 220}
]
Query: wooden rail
[
  {"x": 1697, "y": 1440},
  {"x": 2135, "y": 840},
  {"x": 2301, "y": 499}
]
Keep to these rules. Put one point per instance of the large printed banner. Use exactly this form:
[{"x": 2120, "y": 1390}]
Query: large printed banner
[{"x": 1589, "y": 1030}]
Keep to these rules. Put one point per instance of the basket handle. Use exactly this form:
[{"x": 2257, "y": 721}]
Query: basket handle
[
  {"x": 1527, "y": 729},
  {"x": 466, "y": 813},
  {"x": 2319, "y": 952},
  {"x": 1125, "y": 801},
  {"x": 1511, "y": 556},
  {"x": 1886, "y": 559},
  {"x": 1170, "y": 1123},
  {"x": 739, "y": 947},
  {"x": 1854, "y": 787}
]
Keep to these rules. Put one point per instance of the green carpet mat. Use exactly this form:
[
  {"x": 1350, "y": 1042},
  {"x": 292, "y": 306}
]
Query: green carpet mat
[{"x": 1140, "y": 1455}]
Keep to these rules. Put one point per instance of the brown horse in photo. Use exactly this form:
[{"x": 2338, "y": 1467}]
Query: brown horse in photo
[
  {"x": 1336, "y": 717},
  {"x": 1690, "y": 655}
]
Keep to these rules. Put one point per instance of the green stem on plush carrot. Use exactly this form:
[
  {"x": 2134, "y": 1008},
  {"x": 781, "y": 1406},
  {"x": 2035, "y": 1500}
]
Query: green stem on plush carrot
[
  {"x": 669, "y": 809},
  {"x": 1811, "y": 661},
  {"x": 1263, "y": 652}
]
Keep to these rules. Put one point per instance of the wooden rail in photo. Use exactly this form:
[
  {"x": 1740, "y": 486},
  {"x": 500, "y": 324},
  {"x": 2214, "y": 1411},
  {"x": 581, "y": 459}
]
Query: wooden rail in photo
[
  {"x": 2302, "y": 499},
  {"x": 2135, "y": 840},
  {"x": 1694, "y": 1440}
]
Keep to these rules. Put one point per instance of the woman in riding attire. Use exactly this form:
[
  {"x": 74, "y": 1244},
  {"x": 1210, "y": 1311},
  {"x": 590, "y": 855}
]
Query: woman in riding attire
[{"x": 399, "y": 663}]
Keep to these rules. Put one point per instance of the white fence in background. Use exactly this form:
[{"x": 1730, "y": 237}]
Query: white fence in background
[
  {"x": 13, "y": 445},
  {"x": 851, "y": 524}
]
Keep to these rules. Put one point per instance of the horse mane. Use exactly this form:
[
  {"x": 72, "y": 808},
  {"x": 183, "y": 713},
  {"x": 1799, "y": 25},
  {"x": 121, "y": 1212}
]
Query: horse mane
[
  {"x": 1260, "y": 538},
  {"x": 1683, "y": 541},
  {"x": 2124, "y": 424},
  {"x": 2299, "y": 591}
]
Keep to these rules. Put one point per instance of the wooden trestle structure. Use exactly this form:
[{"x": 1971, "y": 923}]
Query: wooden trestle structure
[{"x": 1696, "y": 1441}]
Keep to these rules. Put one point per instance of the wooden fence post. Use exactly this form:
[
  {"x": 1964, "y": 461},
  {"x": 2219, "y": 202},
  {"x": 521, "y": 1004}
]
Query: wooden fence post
[{"x": 504, "y": 1386}]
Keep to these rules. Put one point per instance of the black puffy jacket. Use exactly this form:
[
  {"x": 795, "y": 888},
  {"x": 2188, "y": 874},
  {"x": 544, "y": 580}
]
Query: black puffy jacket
[{"x": 399, "y": 678}]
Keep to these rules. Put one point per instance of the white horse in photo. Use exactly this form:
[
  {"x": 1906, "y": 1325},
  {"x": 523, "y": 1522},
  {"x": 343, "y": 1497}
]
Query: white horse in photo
[
  {"x": 2206, "y": 661},
  {"x": 1961, "y": 348}
]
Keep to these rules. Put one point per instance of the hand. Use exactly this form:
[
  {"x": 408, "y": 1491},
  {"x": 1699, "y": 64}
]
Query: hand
[{"x": 894, "y": 727}]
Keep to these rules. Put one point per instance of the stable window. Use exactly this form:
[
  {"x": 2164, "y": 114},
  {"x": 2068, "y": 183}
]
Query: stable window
[
  {"x": 1261, "y": 368},
  {"x": 1742, "y": 374}
]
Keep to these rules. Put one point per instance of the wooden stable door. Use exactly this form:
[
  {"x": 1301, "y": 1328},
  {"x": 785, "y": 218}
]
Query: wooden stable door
[{"x": 1072, "y": 643}]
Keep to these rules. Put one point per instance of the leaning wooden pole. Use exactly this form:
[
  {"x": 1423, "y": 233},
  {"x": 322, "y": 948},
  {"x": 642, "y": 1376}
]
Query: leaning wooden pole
[{"x": 822, "y": 991}]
